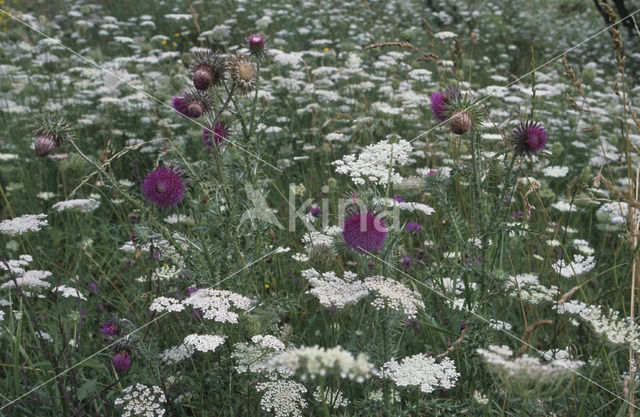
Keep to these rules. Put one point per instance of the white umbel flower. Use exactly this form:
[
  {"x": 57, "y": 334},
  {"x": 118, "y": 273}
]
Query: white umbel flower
[
  {"x": 84, "y": 205},
  {"x": 393, "y": 294},
  {"x": 23, "y": 224},
  {"x": 283, "y": 398},
  {"x": 203, "y": 342},
  {"x": 422, "y": 371},
  {"x": 140, "y": 400},
  {"x": 332, "y": 291}
]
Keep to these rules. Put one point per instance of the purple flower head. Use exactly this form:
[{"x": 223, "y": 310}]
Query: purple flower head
[
  {"x": 220, "y": 133},
  {"x": 191, "y": 290},
  {"x": 121, "y": 361},
  {"x": 179, "y": 104},
  {"x": 407, "y": 262},
  {"x": 192, "y": 103},
  {"x": 413, "y": 227},
  {"x": 432, "y": 172},
  {"x": 110, "y": 328},
  {"x": 164, "y": 186},
  {"x": 256, "y": 43},
  {"x": 399, "y": 199},
  {"x": 364, "y": 232},
  {"x": 529, "y": 138},
  {"x": 315, "y": 211},
  {"x": 439, "y": 102}
]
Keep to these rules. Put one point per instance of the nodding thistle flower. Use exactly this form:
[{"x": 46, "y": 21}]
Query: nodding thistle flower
[
  {"x": 51, "y": 131},
  {"x": 256, "y": 44},
  {"x": 192, "y": 103},
  {"x": 220, "y": 133},
  {"x": 243, "y": 73},
  {"x": 208, "y": 69},
  {"x": 456, "y": 108},
  {"x": 528, "y": 138},
  {"x": 440, "y": 101},
  {"x": 364, "y": 232},
  {"x": 164, "y": 186},
  {"x": 121, "y": 361}
]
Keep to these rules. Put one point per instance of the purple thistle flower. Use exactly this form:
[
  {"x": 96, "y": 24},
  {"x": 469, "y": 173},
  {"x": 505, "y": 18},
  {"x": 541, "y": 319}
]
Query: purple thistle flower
[
  {"x": 439, "y": 102},
  {"x": 399, "y": 199},
  {"x": 220, "y": 134},
  {"x": 315, "y": 211},
  {"x": 164, "y": 186},
  {"x": 364, "y": 232},
  {"x": 110, "y": 328},
  {"x": 529, "y": 138},
  {"x": 256, "y": 43},
  {"x": 121, "y": 361},
  {"x": 413, "y": 227},
  {"x": 179, "y": 104}
]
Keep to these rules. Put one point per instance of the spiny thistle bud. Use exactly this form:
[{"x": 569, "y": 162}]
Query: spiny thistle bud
[
  {"x": 243, "y": 73},
  {"x": 208, "y": 69},
  {"x": 193, "y": 103},
  {"x": 256, "y": 43},
  {"x": 51, "y": 131},
  {"x": 461, "y": 122}
]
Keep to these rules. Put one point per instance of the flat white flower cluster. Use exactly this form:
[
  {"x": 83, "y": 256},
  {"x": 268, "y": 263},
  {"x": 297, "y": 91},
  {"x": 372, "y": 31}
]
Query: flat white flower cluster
[
  {"x": 422, "y": 371},
  {"x": 164, "y": 273},
  {"x": 176, "y": 354},
  {"x": 17, "y": 266},
  {"x": 375, "y": 163},
  {"x": 579, "y": 266},
  {"x": 31, "y": 279},
  {"x": 203, "y": 342},
  {"x": 214, "y": 304},
  {"x": 315, "y": 238},
  {"x": 69, "y": 292},
  {"x": 614, "y": 212},
  {"x": 528, "y": 288},
  {"x": 284, "y": 398},
  {"x": 393, "y": 294},
  {"x": 311, "y": 362},
  {"x": 526, "y": 368},
  {"x": 140, "y": 400},
  {"x": 256, "y": 357},
  {"x": 609, "y": 325},
  {"x": 23, "y": 224},
  {"x": 333, "y": 291},
  {"x": 407, "y": 205},
  {"x": 179, "y": 218},
  {"x": 84, "y": 205}
]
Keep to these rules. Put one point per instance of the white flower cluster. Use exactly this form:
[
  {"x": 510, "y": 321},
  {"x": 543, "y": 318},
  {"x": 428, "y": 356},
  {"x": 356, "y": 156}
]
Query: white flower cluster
[
  {"x": 215, "y": 304},
  {"x": 393, "y": 294},
  {"x": 527, "y": 368},
  {"x": 528, "y": 288},
  {"x": 175, "y": 354},
  {"x": 284, "y": 398},
  {"x": 179, "y": 218},
  {"x": 17, "y": 266},
  {"x": 614, "y": 212},
  {"x": 315, "y": 361},
  {"x": 164, "y": 273},
  {"x": 422, "y": 371},
  {"x": 375, "y": 163},
  {"x": 616, "y": 330},
  {"x": 579, "y": 266},
  {"x": 84, "y": 205},
  {"x": 406, "y": 205},
  {"x": 555, "y": 171},
  {"x": 256, "y": 357},
  {"x": 315, "y": 238},
  {"x": 31, "y": 279},
  {"x": 204, "y": 342},
  {"x": 161, "y": 304},
  {"x": 140, "y": 400},
  {"x": 69, "y": 292},
  {"x": 333, "y": 291},
  {"x": 23, "y": 224}
]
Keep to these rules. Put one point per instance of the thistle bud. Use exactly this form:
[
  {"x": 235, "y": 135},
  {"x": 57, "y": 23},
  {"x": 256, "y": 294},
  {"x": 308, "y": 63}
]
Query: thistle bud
[
  {"x": 256, "y": 43},
  {"x": 208, "y": 69},
  {"x": 202, "y": 79},
  {"x": 44, "y": 145},
  {"x": 460, "y": 123}
]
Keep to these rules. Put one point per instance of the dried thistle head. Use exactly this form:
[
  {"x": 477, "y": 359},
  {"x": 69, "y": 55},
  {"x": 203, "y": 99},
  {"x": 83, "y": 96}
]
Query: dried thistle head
[{"x": 243, "y": 73}]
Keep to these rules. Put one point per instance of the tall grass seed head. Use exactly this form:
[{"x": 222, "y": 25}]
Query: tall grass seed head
[
  {"x": 529, "y": 138},
  {"x": 208, "y": 69},
  {"x": 243, "y": 73},
  {"x": 164, "y": 186}
]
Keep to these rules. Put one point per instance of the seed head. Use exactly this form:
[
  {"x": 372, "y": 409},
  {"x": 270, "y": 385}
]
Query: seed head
[{"x": 243, "y": 73}]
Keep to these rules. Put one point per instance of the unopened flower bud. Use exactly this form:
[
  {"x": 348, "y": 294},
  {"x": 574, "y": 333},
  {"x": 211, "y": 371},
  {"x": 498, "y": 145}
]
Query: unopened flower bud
[
  {"x": 44, "y": 145},
  {"x": 460, "y": 123}
]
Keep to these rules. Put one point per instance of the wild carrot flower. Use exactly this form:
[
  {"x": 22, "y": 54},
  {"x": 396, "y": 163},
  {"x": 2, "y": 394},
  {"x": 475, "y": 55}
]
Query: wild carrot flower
[
  {"x": 364, "y": 232},
  {"x": 528, "y": 138},
  {"x": 164, "y": 186}
]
